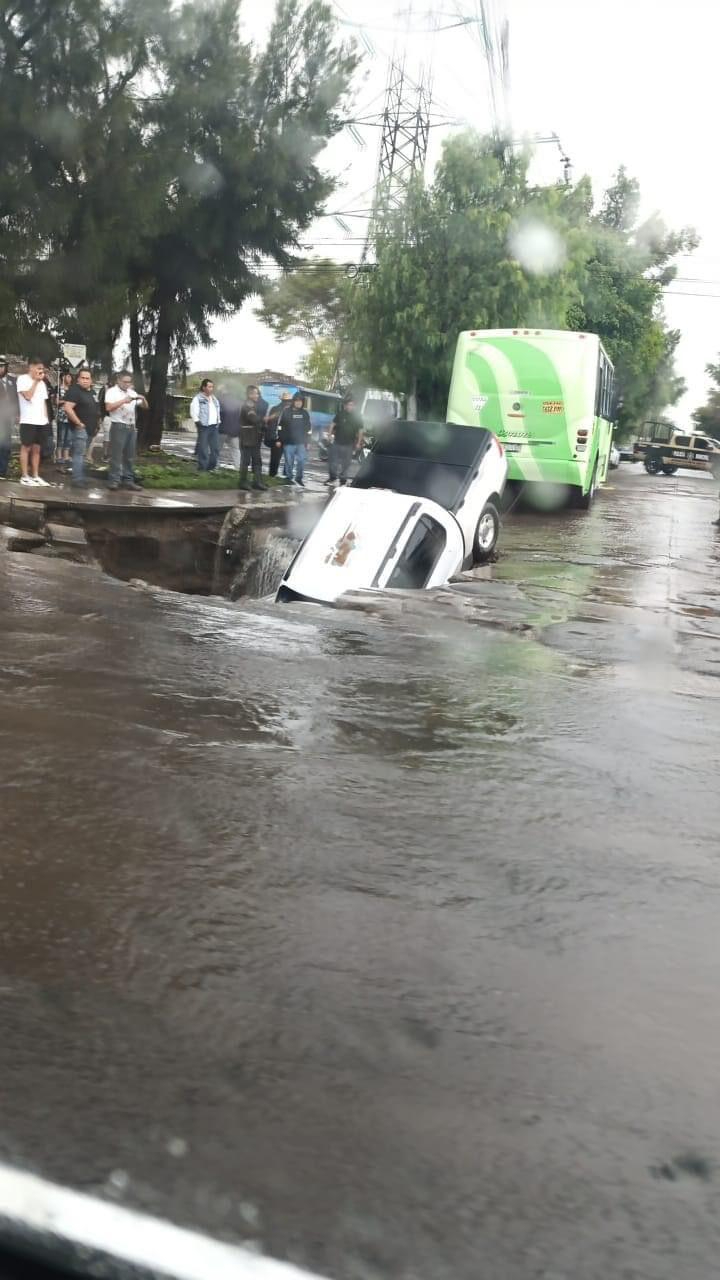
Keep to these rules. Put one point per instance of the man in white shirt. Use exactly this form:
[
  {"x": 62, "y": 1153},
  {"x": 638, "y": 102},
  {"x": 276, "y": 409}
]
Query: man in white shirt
[
  {"x": 121, "y": 402},
  {"x": 205, "y": 413},
  {"x": 33, "y": 405}
]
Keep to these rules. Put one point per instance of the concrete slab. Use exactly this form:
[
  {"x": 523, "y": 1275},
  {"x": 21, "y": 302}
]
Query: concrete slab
[{"x": 66, "y": 533}]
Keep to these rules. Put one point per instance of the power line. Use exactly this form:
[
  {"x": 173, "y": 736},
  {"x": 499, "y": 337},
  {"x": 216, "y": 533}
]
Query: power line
[
  {"x": 679, "y": 293},
  {"x": 415, "y": 31}
]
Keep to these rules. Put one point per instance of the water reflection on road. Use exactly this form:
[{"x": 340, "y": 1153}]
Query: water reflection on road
[{"x": 399, "y": 923}]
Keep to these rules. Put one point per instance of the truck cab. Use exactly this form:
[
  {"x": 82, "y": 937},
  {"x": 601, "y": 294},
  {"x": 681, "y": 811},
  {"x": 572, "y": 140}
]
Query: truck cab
[{"x": 423, "y": 505}]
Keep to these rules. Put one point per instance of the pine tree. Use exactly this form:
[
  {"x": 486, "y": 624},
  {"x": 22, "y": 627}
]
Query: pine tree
[
  {"x": 152, "y": 164},
  {"x": 70, "y": 126},
  {"x": 238, "y": 136}
]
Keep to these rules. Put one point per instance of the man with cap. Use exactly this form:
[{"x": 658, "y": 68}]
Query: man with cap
[
  {"x": 345, "y": 432},
  {"x": 8, "y": 414}
]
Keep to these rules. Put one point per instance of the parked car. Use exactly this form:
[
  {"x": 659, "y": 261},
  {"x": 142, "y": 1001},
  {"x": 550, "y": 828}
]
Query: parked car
[{"x": 424, "y": 504}]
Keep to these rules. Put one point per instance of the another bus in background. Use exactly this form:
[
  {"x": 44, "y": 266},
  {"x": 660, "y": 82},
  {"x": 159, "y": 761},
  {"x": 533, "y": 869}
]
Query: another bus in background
[
  {"x": 548, "y": 395},
  {"x": 374, "y": 405},
  {"x": 321, "y": 405}
]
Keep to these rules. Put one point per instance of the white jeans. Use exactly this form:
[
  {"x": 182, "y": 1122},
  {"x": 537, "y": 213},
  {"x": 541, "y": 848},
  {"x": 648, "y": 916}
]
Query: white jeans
[{"x": 230, "y": 451}]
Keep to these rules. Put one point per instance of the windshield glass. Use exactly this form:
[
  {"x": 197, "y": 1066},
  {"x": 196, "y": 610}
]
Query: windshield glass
[{"x": 422, "y": 552}]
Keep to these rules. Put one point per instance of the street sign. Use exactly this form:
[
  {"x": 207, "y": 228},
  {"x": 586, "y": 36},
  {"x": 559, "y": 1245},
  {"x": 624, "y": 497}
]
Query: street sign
[{"x": 74, "y": 352}]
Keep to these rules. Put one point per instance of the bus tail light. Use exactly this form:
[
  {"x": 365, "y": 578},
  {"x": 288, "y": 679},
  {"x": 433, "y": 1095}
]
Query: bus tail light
[{"x": 582, "y": 434}]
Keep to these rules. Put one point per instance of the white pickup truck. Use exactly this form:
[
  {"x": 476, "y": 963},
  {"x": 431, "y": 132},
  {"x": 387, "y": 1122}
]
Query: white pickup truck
[{"x": 424, "y": 504}]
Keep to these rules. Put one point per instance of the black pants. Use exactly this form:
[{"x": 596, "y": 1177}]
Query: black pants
[
  {"x": 275, "y": 456},
  {"x": 250, "y": 457}
]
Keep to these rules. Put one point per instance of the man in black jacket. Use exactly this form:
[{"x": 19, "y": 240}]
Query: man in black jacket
[
  {"x": 295, "y": 432},
  {"x": 251, "y": 427},
  {"x": 271, "y": 432},
  {"x": 345, "y": 434},
  {"x": 9, "y": 414}
]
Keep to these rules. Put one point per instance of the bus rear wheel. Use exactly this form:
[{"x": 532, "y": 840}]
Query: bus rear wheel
[{"x": 584, "y": 501}]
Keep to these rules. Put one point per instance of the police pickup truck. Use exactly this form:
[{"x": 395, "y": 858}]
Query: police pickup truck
[{"x": 697, "y": 453}]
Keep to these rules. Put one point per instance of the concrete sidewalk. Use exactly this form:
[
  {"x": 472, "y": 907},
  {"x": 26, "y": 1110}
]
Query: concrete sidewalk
[{"x": 99, "y": 497}]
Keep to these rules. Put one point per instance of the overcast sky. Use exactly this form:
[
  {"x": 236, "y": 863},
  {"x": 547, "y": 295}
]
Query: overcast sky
[{"x": 619, "y": 81}]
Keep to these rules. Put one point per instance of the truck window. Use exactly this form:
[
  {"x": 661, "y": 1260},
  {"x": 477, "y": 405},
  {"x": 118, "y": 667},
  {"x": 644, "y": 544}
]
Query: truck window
[
  {"x": 422, "y": 552},
  {"x": 682, "y": 442}
]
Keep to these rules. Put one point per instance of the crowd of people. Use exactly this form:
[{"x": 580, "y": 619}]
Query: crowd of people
[
  {"x": 32, "y": 404},
  {"x": 227, "y": 427}
]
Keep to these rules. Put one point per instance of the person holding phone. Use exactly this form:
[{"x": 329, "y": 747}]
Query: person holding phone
[
  {"x": 34, "y": 421},
  {"x": 121, "y": 403}
]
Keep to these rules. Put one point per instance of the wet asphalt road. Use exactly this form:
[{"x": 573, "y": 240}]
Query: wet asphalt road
[{"x": 387, "y": 940}]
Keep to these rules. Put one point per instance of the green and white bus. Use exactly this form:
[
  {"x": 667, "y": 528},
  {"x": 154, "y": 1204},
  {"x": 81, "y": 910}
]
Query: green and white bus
[{"x": 548, "y": 395}]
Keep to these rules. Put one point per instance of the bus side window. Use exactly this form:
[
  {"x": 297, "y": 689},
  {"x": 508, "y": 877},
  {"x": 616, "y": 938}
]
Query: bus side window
[{"x": 606, "y": 391}]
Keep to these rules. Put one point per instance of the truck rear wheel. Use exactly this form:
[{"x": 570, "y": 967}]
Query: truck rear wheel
[
  {"x": 669, "y": 471},
  {"x": 486, "y": 534}
]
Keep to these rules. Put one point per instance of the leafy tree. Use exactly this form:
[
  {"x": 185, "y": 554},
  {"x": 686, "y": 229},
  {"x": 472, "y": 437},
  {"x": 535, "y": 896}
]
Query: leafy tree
[
  {"x": 325, "y": 365},
  {"x": 707, "y": 416},
  {"x": 622, "y": 292},
  {"x": 481, "y": 248},
  {"x": 69, "y": 206},
  {"x": 443, "y": 264},
  {"x": 153, "y": 163},
  {"x": 237, "y": 135},
  {"x": 309, "y": 302}
]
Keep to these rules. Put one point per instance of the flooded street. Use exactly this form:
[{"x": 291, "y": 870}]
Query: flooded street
[{"x": 385, "y": 939}]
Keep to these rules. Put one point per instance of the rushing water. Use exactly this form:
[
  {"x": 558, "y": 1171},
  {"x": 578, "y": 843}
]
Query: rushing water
[
  {"x": 270, "y": 555},
  {"x": 385, "y": 937}
]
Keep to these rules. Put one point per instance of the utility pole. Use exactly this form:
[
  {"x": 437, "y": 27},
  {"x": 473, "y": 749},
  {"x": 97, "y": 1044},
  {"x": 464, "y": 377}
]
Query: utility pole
[
  {"x": 404, "y": 138},
  {"x": 405, "y": 132}
]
